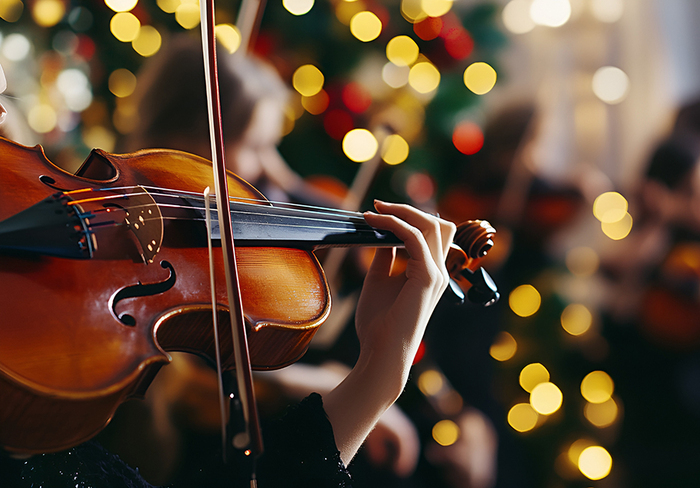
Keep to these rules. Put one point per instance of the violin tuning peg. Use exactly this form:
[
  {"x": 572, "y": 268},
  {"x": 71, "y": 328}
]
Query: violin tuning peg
[
  {"x": 483, "y": 290},
  {"x": 457, "y": 291}
]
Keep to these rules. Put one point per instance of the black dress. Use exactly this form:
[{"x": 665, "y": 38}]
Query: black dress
[{"x": 300, "y": 451}]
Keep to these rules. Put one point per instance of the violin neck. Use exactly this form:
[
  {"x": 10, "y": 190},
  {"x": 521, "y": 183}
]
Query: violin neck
[{"x": 303, "y": 227}]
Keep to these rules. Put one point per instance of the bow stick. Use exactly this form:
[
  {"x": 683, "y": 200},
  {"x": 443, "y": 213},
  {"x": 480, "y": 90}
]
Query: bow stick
[{"x": 251, "y": 439}]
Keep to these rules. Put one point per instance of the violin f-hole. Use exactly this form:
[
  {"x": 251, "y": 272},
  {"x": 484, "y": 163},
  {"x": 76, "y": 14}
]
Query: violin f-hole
[
  {"x": 141, "y": 290},
  {"x": 51, "y": 183}
]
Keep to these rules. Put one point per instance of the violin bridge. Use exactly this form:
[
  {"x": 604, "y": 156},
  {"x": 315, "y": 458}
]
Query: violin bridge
[{"x": 144, "y": 219}]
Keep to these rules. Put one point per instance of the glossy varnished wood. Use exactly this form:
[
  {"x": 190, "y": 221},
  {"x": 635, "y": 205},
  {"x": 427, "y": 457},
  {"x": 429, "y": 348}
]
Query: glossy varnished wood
[{"x": 67, "y": 361}]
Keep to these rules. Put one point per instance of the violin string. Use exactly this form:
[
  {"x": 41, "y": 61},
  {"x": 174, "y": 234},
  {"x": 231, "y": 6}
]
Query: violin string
[{"x": 303, "y": 211}]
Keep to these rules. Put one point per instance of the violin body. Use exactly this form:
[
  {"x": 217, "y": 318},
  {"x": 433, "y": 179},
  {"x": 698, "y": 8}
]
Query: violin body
[{"x": 79, "y": 335}]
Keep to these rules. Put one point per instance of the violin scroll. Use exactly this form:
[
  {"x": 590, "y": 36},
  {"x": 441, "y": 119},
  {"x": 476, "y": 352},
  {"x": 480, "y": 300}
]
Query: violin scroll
[{"x": 473, "y": 240}]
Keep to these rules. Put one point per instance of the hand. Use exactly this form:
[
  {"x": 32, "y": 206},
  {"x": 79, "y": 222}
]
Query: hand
[
  {"x": 391, "y": 317},
  {"x": 394, "y": 443}
]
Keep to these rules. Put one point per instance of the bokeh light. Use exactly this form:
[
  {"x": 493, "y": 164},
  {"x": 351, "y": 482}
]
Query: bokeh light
[
  {"x": 16, "y": 47},
  {"x": 360, "y": 145},
  {"x": 394, "y": 149},
  {"x": 480, "y": 77},
  {"x": 524, "y": 300},
  {"x": 610, "y": 84},
  {"x": 458, "y": 43},
  {"x": 610, "y": 206},
  {"x": 420, "y": 187},
  {"x": 504, "y": 347},
  {"x": 80, "y": 19},
  {"x": 316, "y": 104},
  {"x": 601, "y": 414},
  {"x": 121, "y": 83},
  {"x": 428, "y": 28},
  {"x": 148, "y": 41},
  {"x": 576, "y": 448},
  {"x": 395, "y": 76},
  {"x": 550, "y": 13},
  {"x": 430, "y": 382},
  {"x": 607, "y": 10},
  {"x": 546, "y": 398},
  {"x": 595, "y": 462},
  {"x": 187, "y": 15},
  {"x": 618, "y": 230},
  {"x": 424, "y": 77},
  {"x": 337, "y": 123},
  {"x": 402, "y": 51},
  {"x": 42, "y": 118},
  {"x": 436, "y": 8},
  {"x": 468, "y": 137},
  {"x": 365, "y": 26},
  {"x": 597, "y": 387},
  {"x": 125, "y": 26},
  {"x": 168, "y": 6},
  {"x": 47, "y": 13},
  {"x": 308, "y": 80},
  {"x": 532, "y": 375},
  {"x": 412, "y": 10},
  {"x": 298, "y": 7},
  {"x": 345, "y": 10},
  {"x": 229, "y": 36},
  {"x": 121, "y": 5},
  {"x": 582, "y": 261},
  {"x": 576, "y": 319},
  {"x": 11, "y": 10},
  {"x": 99, "y": 137},
  {"x": 356, "y": 97},
  {"x": 522, "y": 417},
  {"x": 516, "y": 17},
  {"x": 75, "y": 87},
  {"x": 446, "y": 432}
]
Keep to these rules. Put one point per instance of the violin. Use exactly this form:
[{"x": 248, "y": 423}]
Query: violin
[{"x": 104, "y": 271}]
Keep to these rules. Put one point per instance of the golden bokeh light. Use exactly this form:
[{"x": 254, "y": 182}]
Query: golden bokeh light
[
  {"x": 582, "y": 261},
  {"x": 148, "y": 42},
  {"x": 436, "y": 8},
  {"x": 550, "y": 13},
  {"x": 522, "y": 417},
  {"x": 595, "y": 462},
  {"x": 298, "y": 7},
  {"x": 125, "y": 26},
  {"x": 430, "y": 382},
  {"x": 525, "y": 300},
  {"x": 345, "y": 10},
  {"x": 601, "y": 414},
  {"x": 47, "y": 13},
  {"x": 412, "y": 10},
  {"x": 446, "y": 432},
  {"x": 42, "y": 118},
  {"x": 504, "y": 347},
  {"x": 618, "y": 230},
  {"x": 229, "y": 36},
  {"x": 316, "y": 104},
  {"x": 516, "y": 17},
  {"x": 610, "y": 84},
  {"x": 402, "y": 51},
  {"x": 424, "y": 77},
  {"x": 187, "y": 14},
  {"x": 121, "y": 5},
  {"x": 360, "y": 145},
  {"x": 121, "y": 83},
  {"x": 365, "y": 26},
  {"x": 576, "y": 319},
  {"x": 532, "y": 375},
  {"x": 576, "y": 448},
  {"x": 99, "y": 137},
  {"x": 168, "y": 6},
  {"x": 546, "y": 398},
  {"x": 610, "y": 206},
  {"x": 597, "y": 387},
  {"x": 394, "y": 149},
  {"x": 11, "y": 10},
  {"x": 308, "y": 80},
  {"x": 480, "y": 77}
]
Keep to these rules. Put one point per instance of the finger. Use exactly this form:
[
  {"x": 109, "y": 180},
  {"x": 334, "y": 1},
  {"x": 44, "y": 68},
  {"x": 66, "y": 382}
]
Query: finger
[
  {"x": 383, "y": 261},
  {"x": 414, "y": 241},
  {"x": 436, "y": 230}
]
